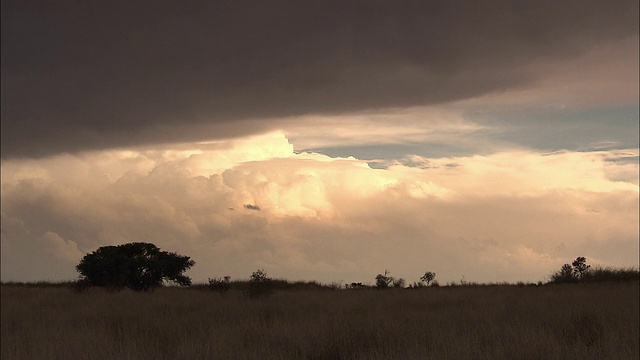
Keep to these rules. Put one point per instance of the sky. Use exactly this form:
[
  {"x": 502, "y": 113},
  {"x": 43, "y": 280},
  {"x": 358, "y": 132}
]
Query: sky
[{"x": 488, "y": 141}]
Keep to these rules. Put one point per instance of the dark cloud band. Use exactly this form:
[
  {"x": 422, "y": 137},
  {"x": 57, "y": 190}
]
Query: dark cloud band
[{"x": 86, "y": 75}]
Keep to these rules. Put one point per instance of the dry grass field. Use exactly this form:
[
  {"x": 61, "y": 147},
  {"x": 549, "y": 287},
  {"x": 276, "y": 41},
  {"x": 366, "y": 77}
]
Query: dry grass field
[{"x": 571, "y": 321}]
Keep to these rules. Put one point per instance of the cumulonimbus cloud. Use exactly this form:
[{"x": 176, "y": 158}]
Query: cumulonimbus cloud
[{"x": 508, "y": 216}]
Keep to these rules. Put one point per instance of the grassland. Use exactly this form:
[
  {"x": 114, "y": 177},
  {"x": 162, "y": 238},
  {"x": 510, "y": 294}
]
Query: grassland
[{"x": 568, "y": 321}]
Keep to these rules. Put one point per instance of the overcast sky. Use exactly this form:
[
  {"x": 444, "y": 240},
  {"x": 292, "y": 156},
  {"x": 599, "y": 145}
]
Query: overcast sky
[{"x": 325, "y": 140}]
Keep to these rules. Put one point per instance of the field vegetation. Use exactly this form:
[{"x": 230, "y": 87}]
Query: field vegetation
[{"x": 307, "y": 320}]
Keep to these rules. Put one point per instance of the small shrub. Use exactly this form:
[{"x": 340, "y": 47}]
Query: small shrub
[
  {"x": 260, "y": 285},
  {"x": 428, "y": 277},
  {"x": 383, "y": 281},
  {"x": 565, "y": 275},
  {"x": 601, "y": 274},
  {"x": 220, "y": 285},
  {"x": 355, "y": 285},
  {"x": 399, "y": 283}
]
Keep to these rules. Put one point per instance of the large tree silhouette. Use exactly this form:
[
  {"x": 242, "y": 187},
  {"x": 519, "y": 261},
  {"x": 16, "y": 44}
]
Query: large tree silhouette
[{"x": 138, "y": 266}]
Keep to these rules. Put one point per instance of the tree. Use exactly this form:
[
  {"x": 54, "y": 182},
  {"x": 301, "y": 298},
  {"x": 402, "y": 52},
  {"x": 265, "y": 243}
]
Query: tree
[
  {"x": 580, "y": 267},
  {"x": 428, "y": 277},
  {"x": 138, "y": 266}
]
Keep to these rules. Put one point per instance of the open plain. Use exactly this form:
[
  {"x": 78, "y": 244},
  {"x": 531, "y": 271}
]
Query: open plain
[{"x": 568, "y": 321}]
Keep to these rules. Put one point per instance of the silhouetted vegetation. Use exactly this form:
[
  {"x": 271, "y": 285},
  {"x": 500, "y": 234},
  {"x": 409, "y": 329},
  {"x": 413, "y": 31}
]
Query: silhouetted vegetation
[
  {"x": 604, "y": 274},
  {"x": 579, "y": 271},
  {"x": 565, "y": 275},
  {"x": 355, "y": 285},
  {"x": 220, "y": 285},
  {"x": 244, "y": 286},
  {"x": 428, "y": 277},
  {"x": 260, "y": 284},
  {"x": 137, "y": 266},
  {"x": 41, "y": 284},
  {"x": 580, "y": 267},
  {"x": 385, "y": 281}
]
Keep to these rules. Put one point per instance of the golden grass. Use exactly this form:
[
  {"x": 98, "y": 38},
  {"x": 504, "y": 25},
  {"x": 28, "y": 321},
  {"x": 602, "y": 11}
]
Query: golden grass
[{"x": 585, "y": 321}]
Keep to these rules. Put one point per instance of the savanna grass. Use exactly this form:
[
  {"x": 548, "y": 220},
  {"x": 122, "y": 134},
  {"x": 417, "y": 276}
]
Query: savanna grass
[{"x": 586, "y": 321}]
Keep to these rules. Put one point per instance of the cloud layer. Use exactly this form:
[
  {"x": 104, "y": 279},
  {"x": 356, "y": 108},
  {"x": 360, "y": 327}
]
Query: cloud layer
[
  {"x": 78, "y": 76},
  {"x": 324, "y": 140},
  {"x": 507, "y": 216}
]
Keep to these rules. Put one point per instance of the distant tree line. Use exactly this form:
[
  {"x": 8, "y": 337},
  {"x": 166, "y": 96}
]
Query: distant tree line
[{"x": 143, "y": 266}]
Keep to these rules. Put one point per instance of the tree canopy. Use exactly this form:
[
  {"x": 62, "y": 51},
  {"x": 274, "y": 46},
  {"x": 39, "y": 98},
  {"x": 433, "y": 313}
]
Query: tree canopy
[{"x": 138, "y": 266}]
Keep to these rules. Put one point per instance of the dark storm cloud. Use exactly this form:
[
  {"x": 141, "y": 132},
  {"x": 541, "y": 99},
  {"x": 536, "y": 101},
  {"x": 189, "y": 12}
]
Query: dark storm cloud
[{"x": 89, "y": 75}]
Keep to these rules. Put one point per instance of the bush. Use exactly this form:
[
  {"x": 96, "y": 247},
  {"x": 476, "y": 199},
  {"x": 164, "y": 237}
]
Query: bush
[
  {"x": 601, "y": 274},
  {"x": 579, "y": 271},
  {"x": 220, "y": 285},
  {"x": 399, "y": 283},
  {"x": 355, "y": 285},
  {"x": 565, "y": 275},
  {"x": 260, "y": 284},
  {"x": 428, "y": 277},
  {"x": 383, "y": 281}
]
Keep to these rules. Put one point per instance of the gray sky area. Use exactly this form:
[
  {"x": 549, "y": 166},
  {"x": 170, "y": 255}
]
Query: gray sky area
[{"x": 84, "y": 75}]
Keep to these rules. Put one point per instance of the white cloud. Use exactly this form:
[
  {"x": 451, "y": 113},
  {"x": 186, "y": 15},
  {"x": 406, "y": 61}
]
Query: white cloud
[
  {"x": 65, "y": 250},
  {"x": 508, "y": 216},
  {"x": 28, "y": 256},
  {"x": 391, "y": 126}
]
